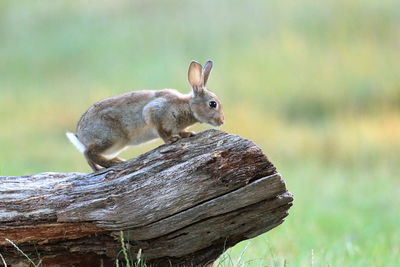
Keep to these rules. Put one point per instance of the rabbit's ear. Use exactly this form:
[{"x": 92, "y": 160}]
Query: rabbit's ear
[
  {"x": 206, "y": 71},
  {"x": 195, "y": 76}
]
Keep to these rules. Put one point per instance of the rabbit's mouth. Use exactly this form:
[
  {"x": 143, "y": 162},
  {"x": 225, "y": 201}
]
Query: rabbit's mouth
[{"x": 217, "y": 122}]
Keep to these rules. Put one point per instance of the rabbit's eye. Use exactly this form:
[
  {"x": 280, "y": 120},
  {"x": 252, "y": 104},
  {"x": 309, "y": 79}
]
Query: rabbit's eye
[{"x": 212, "y": 104}]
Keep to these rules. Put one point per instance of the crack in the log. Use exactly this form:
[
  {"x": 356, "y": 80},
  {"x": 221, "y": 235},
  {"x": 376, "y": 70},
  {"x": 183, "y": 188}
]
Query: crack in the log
[
  {"x": 214, "y": 198},
  {"x": 173, "y": 237},
  {"x": 222, "y": 214},
  {"x": 227, "y": 240},
  {"x": 284, "y": 195}
]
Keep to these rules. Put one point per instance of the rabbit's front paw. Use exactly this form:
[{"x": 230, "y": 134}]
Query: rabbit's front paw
[{"x": 173, "y": 139}]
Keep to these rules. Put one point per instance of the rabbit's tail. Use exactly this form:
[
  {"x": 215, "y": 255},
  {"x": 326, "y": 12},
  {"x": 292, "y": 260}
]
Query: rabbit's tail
[{"x": 75, "y": 141}]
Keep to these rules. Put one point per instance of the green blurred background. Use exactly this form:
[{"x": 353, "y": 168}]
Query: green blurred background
[{"x": 316, "y": 84}]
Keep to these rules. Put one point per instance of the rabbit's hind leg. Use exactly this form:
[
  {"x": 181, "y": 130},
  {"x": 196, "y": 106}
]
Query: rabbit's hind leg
[
  {"x": 94, "y": 166},
  {"x": 94, "y": 156}
]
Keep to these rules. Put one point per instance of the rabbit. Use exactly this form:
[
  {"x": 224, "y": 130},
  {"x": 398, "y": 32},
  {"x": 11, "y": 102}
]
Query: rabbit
[{"x": 112, "y": 124}]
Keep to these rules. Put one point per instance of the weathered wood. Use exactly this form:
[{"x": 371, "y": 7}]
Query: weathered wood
[{"x": 181, "y": 204}]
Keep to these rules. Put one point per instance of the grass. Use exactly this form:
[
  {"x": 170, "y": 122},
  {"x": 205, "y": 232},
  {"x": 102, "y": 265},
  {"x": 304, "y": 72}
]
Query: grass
[
  {"x": 346, "y": 217},
  {"x": 315, "y": 84},
  {"x": 128, "y": 259}
]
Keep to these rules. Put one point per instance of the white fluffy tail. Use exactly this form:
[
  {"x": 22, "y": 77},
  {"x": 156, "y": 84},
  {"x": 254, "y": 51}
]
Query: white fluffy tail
[{"x": 75, "y": 141}]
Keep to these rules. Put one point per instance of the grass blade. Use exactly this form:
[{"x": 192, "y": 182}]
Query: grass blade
[{"x": 23, "y": 253}]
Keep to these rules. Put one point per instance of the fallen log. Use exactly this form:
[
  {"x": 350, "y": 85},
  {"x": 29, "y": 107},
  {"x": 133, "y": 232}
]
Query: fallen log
[{"x": 180, "y": 204}]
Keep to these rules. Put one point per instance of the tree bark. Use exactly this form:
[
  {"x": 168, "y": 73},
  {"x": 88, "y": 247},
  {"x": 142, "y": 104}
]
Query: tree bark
[{"x": 181, "y": 204}]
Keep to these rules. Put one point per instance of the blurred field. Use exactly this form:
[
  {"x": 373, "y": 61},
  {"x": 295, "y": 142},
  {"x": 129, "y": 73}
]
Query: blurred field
[{"x": 316, "y": 84}]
